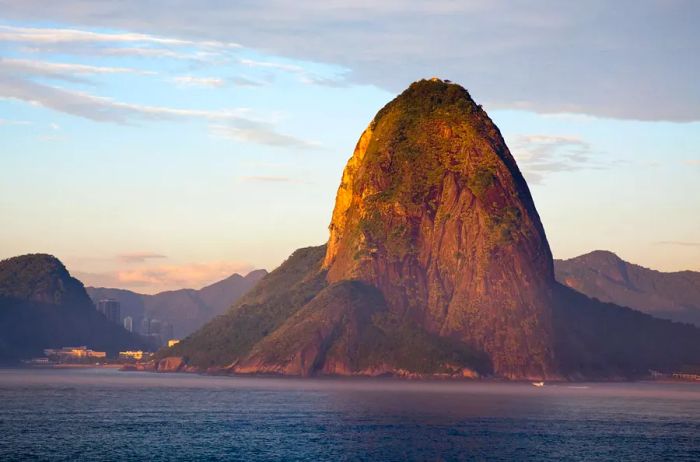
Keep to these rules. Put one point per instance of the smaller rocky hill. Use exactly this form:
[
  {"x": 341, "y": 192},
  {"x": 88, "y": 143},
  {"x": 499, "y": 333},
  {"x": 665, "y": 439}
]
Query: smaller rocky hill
[{"x": 42, "y": 306}]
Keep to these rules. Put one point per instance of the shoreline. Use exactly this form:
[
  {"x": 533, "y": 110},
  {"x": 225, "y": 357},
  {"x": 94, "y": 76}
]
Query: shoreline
[{"x": 413, "y": 378}]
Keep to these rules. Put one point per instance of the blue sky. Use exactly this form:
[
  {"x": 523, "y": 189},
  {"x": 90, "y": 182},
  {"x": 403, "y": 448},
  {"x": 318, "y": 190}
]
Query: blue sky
[{"x": 153, "y": 145}]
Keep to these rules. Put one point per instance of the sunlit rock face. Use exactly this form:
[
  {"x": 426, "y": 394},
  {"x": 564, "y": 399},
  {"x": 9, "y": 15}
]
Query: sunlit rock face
[
  {"x": 437, "y": 265},
  {"x": 433, "y": 211}
]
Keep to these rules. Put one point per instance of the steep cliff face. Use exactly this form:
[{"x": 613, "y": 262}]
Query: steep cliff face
[
  {"x": 433, "y": 211},
  {"x": 437, "y": 264}
]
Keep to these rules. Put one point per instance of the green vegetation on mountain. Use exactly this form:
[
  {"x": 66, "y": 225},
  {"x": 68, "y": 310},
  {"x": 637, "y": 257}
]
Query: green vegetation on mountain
[
  {"x": 276, "y": 297},
  {"x": 42, "y": 306},
  {"x": 437, "y": 263},
  {"x": 38, "y": 278},
  {"x": 598, "y": 340}
]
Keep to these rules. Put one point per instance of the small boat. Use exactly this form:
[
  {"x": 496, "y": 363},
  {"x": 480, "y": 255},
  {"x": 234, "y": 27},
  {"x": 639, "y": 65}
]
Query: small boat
[{"x": 538, "y": 384}]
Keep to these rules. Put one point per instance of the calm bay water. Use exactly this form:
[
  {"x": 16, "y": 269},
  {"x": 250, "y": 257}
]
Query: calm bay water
[{"x": 103, "y": 414}]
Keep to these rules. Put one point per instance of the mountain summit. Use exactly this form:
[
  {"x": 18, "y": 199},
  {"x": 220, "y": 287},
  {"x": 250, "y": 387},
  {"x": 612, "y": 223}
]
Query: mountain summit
[
  {"x": 437, "y": 263},
  {"x": 433, "y": 211}
]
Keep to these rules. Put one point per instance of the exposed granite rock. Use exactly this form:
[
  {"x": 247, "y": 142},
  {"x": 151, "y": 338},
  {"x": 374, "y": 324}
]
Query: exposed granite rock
[
  {"x": 170, "y": 364},
  {"x": 433, "y": 211},
  {"x": 437, "y": 266}
]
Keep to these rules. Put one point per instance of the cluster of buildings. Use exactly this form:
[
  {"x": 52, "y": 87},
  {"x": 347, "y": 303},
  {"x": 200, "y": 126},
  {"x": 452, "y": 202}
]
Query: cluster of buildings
[
  {"x": 157, "y": 331},
  {"x": 73, "y": 354},
  {"x": 111, "y": 309},
  {"x": 82, "y": 354},
  {"x": 133, "y": 355}
]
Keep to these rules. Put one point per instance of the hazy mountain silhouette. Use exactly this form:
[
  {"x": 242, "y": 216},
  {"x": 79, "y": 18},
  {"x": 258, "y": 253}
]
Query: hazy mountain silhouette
[
  {"x": 186, "y": 309},
  {"x": 605, "y": 276}
]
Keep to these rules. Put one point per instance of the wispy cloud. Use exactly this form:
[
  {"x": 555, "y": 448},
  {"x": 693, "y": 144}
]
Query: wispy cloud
[
  {"x": 539, "y": 155},
  {"x": 293, "y": 68},
  {"x": 157, "y": 278},
  {"x": 98, "y": 108},
  {"x": 14, "y": 122},
  {"x": 692, "y": 161},
  {"x": 139, "y": 257},
  {"x": 246, "y": 82},
  {"x": 559, "y": 56},
  {"x": 23, "y": 68},
  {"x": 304, "y": 75},
  {"x": 260, "y": 133},
  {"x": 235, "y": 124},
  {"x": 29, "y": 35},
  {"x": 25, "y": 80},
  {"x": 128, "y": 51},
  {"x": 191, "y": 81}
]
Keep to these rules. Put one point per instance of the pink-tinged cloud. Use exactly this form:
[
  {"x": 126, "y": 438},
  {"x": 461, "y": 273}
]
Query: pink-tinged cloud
[
  {"x": 139, "y": 257},
  {"x": 158, "y": 278}
]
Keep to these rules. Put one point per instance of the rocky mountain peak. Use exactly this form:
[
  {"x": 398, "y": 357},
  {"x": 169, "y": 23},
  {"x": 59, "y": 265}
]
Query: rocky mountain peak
[
  {"x": 433, "y": 211},
  {"x": 437, "y": 263}
]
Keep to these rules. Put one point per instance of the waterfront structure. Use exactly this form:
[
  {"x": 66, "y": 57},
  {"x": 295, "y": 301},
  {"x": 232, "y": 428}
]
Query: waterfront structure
[
  {"x": 74, "y": 353},
  {"x": 133, "y": 355},
  {"x": 686, "y": 376}
]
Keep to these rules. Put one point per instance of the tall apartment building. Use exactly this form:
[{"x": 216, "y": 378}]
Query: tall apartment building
[
  {"x": 129, "y": 323},
  {"x": 111, "y": 309}
]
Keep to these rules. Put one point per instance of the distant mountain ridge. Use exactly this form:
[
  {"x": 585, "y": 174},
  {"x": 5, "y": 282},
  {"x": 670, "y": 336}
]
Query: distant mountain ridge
[
  {"x": 603, "y": 275},
  {"x": 185, "y": 309},
  {"x": 42, "y": 306}
]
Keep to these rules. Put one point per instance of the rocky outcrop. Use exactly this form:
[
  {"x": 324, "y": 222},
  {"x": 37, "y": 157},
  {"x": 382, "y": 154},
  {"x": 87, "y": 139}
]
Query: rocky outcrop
[
  {"x": 433, "y": 211},
  {"x": 170, "y": 364},
  {"x": 437, "y": 265}
]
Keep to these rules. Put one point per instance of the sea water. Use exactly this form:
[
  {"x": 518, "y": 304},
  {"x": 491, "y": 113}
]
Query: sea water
[{"x": 104, "y": 414}]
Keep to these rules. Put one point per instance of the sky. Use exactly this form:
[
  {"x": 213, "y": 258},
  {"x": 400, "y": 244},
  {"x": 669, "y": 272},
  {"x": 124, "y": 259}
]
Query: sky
[{"x": 154, "y": 145}]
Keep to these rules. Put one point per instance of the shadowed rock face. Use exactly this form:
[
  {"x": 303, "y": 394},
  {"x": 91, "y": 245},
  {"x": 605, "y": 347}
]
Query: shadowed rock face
[{"x": 433, "y": 211}]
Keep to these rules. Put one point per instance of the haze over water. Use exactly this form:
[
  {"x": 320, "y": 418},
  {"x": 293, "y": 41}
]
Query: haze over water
[{"x": 103, "y": 414}]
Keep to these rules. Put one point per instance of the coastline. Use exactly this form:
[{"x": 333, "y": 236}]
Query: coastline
[{"x": 178, "y": 367}]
